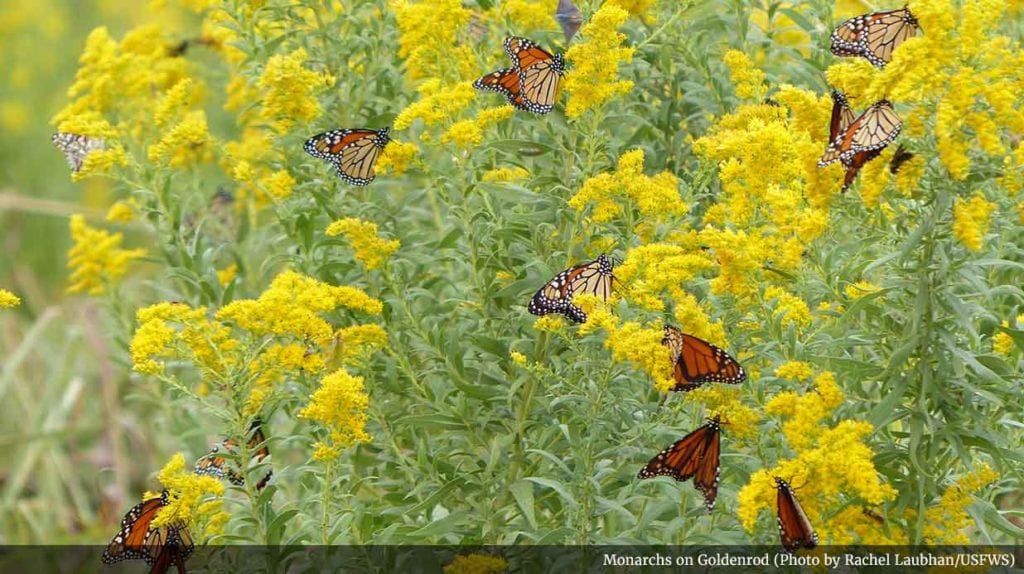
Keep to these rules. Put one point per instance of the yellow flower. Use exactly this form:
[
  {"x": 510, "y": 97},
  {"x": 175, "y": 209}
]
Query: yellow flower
[
  {"x": 427, "y": 39},
  {"x": 529, "y": 14},
  {"x": 789, "y": 306},
  {"x": 652, "y": 269},
  {"x": 437, "y": 103},
  {"x": 1002, "y": 343},
  {"x": 518, "y": 358},
  {"x": 188, "y": 493},
  {"x": 971, "y": 220},
  {"x": 353, "y": 344},
  {"x": 656, "y": 198},
  {"x": 177, "y": 99},
  {"x": 747, "y": 80},
  {"x": 469, "y": 133},
  {"x": 100, "y": 161},
  {"x": 635, "y": 7},
  {"x": 506, "y": 174},
  {"x": 291, "y": 307},
  {"x": 476, "y": 564},
  {"x": 121, "y": 212},
  {"x": 794, "y": 371},
  {"x": 395, "y": 158},
  {"x": 370, "y": 249},
  {"x": 8, "y": 300},
  {"x": 177, "y": 331},
  {"x": 186, "y": 143},
  {"x": 860, "y": 289},
  {"x": 593, "y": 78},
  {"x": 279, "y": 184},
  {"x": 549, "y": 323},
  {"x": 945, "y": 522},
  {"x": 227, "y": 275},
  {"x": 96, "y": 259},
  {"x": 725, "y": 402},
  {"x": 288, "y": 91},
  {"x": 340, "y": 406}
]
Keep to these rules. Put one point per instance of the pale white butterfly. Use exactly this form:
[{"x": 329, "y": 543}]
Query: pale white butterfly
[{"x": 76, "y": 147}]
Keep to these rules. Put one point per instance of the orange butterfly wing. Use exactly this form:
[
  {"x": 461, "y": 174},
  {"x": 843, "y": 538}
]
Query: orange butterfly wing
[
  {"x": 794, "y": 527},
  {"x": 696, "y": 456},
  {"x": 506, "y": 82},
  {"x": 696, "y": 362}
]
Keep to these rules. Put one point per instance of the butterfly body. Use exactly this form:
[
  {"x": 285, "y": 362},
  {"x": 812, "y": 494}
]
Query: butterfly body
[
  {"x": 696, "y": 456},
  {"x": 556, "y": 295},
  {"x": 874, "y": 36},
  {"x": 531, "y": 84},
  {"x": 794, "y": 527},
  {"x": 696, "y": 362},
  {"x": 353, "y": 152},
  {"x": 138, "y": 539}
]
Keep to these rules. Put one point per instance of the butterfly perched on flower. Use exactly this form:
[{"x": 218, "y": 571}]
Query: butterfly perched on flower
[
  {"x": 353, "y": 152},
  {"x": 594, "y": 278},
  {"x": 900, "y": 157},
  {"x": 874, "y": 36},
  {"x": 794, "y": 527},
  {"x": 695, "y": 361},
  {"x": 856, "y": 141},
  {"x": 76, "y": 148},
  {"x": 531, "y": 84},
  {"x": 696, "y": 456},
  {"x": 215, "y": 464},
  {"x": 138, "y": 539}
]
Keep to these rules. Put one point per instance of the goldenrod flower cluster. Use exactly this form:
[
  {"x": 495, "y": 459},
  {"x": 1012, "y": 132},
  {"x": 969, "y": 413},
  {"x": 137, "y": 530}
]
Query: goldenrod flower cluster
[
  {"x": 96, "y": 259},
  {"x": 592, "y": 79},
  {"x": 289, "y": 90},
  {"x": 971, "y": 220},
  {"x": 340, "y": 406},
  {"x": 190, "y": 496},
  {"x": 656, "y": 198},
  {"x": 1002, "y": 343},
  {"x": 945, "y": 522},
  {"x": 370, "y": 249}
]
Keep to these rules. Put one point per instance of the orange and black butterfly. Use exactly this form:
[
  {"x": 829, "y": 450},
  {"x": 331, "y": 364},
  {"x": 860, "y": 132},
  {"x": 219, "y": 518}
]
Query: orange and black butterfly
[
  {"x": 531, "y": 84},
  {"x": 138, "y": 540},
  {"x": 594, "y": 278},
  {"x": 794, "y": 527},
  {"x": 856, "y": 141},
  {"x": 353, "y": 152},
  {"x": 695, "y": 455},
  {"x": 215, "y": 464},
  {"x": 874, "y": 36},
  {"x": 695, "y": 361}
]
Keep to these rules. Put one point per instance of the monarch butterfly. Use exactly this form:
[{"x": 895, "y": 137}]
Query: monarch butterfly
[
  {"x": 854, "y": 142},
  {"x": 76, "y": 148},
  {"x": 794, "y": 528},
  {"x": 695, "y": 455},
  {"x": 214, "y": 464},
  {"x": 899, "y": 158},
  {"x": 873, "y": 515},
  {"x": 531, "y": 84},
  {"x": 874, "y": 36},
  {"x": 696, "y": 361},
  {"x": 352, "y": 151},
  {"x": 138, "y": 540},
  {"x": 555, "y": 296}
]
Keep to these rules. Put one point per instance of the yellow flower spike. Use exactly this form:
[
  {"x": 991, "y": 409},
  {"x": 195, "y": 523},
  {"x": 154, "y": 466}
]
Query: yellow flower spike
[
  {"x": 227, "y": 274},
  {"x": 945, "y": 521},
  {"x": 971, "y": 220},
  {"x": 550, "y": 323},
  {"x": 794, "y": 371},
  {"x": 288, "y": 91},
  {"x": 188, "y": 491},
  {"x": 593, "y": 76},
  {"x": 189, "y": 142},
  {"x": 96, "y": 259},
  {"x": 177, "y": 99},
  {"x": 428, "y": 31},
  {"x": 437, "y": 104},
  {"x": 738, "y": 420},
  {"x": 279, "y": 184},
  {"x": 691, "y": 319},
  {"x": 476, "y": 564},
  {"x": 656, "y": 198},
  {"x": 8, "y": 300},
  {"x": 792, "y": 309},
  {"x": 1002, "y": 343},
  {"x": 121, "y": 212},
  {"x": 655, "y": 268},
  {"x": 339, "y": 405},
  {"x": 860, "y": 289},
  {"x": 370, "y": 249},
  {"x": 529, "y": 14},
  {"x": 353, "y": 344},
  {"x": 518, "y": 358},
  {"x": 747, "y": 80},
  {"x": 505, "y": 174},
  {"x": 395, "y": 157}
]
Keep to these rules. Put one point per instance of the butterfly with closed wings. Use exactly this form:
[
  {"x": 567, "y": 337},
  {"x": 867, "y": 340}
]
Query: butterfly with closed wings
[
  {"x": 76, "y": 148},
  {"x": 874, "y": 36},
  {"x": 531, "y": 84},
  {"x": 216, "y": 465},
  {"x": 594, "y": 278},
  {"x": 794, "y": 527},
  {"x": 138, "y": 539},
  {"x": 696, "y": 362},
  {"x": 856, "y": 141},
  {"x": 353, "y": 152},
  {"x": 696, "y": 456}
]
